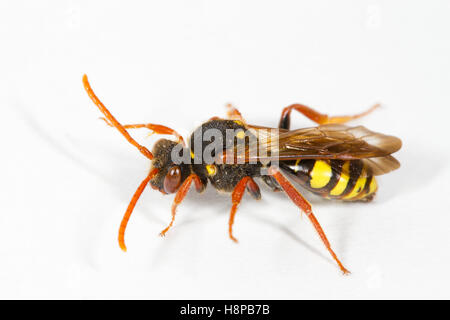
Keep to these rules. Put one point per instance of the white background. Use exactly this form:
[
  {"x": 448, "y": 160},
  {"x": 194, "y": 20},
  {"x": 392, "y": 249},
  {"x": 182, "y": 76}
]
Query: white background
[{"x": 66, "y": 178}]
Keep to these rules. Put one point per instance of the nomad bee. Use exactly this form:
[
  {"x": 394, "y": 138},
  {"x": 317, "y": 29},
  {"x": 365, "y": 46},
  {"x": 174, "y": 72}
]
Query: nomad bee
[{"x": 331, "y": 160}]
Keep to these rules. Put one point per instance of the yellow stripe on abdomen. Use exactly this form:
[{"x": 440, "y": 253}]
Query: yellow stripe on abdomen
[
  {"x": 320, "y": 174},
  {"x": 373, "y": 186},
  {"x": 343, "y": 180},
  {"x": 359, "y": 186}
]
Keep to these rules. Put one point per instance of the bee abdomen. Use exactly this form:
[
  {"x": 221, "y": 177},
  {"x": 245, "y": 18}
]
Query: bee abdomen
[{"x": 334, "y": 179}]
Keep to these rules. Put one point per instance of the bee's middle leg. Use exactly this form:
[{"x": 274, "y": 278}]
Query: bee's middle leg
[
  {"x": 236, "y": 197},
  {"x": 232, "y": 114}
]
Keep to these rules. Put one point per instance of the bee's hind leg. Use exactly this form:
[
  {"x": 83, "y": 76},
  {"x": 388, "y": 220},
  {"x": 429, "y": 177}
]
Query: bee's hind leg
[
  {"x": 317, "y": 117},
  {"x": 304, "y": 205}
]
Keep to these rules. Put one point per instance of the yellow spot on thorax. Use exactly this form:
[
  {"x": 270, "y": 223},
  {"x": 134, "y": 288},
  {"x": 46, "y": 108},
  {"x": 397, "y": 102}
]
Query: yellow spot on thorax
[
  {"x": 211, "y": 169},
  {"x": 240, "y": 134},
  {"x": 320, "y": 174},
  {"x": 192, "y": 155},
  {"x": 343, "y": 180}
]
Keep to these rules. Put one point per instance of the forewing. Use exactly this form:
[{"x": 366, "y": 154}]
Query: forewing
[{"x": 333, "y": 141}]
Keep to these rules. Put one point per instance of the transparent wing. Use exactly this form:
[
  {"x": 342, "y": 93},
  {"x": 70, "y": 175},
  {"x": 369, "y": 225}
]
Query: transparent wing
[
  {"x": 382, "y": 165},
  {"x": 333, "y": 141}
]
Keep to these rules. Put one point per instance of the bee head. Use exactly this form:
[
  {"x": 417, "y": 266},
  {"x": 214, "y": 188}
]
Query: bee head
[{"x": 170, "y": 174}]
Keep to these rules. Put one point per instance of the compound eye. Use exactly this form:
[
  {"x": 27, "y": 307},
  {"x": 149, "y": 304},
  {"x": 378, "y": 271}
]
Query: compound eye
[{"x": 172, "y": 180}]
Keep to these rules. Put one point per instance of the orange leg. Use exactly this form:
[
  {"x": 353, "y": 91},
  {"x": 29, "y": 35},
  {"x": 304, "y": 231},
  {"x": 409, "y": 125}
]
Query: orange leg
[
  {"x": 181, "y": 193},
  {"x": 317, "y": 117},
  {"x": 304, "y": 205},
  {"x": 234, "y": 114},
  {"x": 131, "y": 205},
  {"x": 112, "y": 121},
  {"x": 154, "y": 128},
  {"x": 236, "y": 197}
]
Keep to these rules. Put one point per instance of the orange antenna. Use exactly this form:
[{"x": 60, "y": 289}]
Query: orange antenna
[
  {"x": 112, "y": 121},
  {"x": 131, "y": 205}
]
